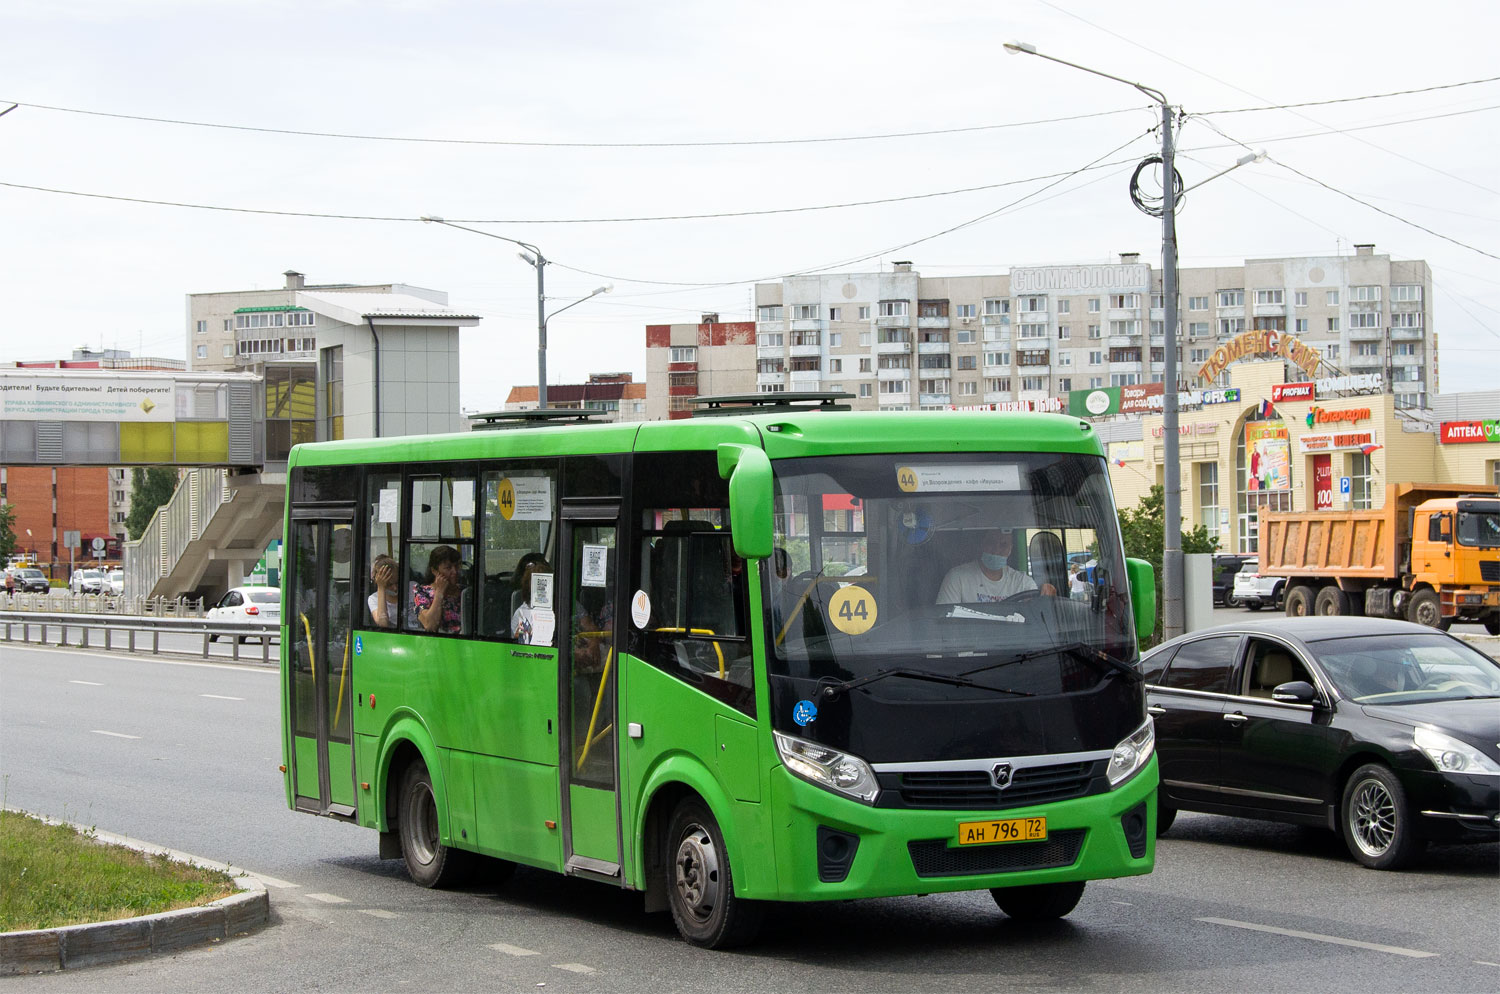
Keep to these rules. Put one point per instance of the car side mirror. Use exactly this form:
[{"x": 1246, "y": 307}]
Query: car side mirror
[
  {"x": 1142, "y": 579},
  {"x": 1296, "y": 692}
]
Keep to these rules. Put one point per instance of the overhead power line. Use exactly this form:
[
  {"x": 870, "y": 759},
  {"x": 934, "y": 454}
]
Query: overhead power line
[
  {"x": 509, "y": 143},
  {"x": 1350, "y": 100}
]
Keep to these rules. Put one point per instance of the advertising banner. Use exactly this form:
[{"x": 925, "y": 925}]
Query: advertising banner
[
  {"x": 25, "y": 397},
  {"x": 1123, "y": 452},
  {"x": 1269, "y": 452},
  {"x": 1141, "y": 398},
  {"x": 1323, "y": 482},
  {"x": 1460, "y": 432},
  {"x": 1292, "y": 391},
  {"x": 1337, "y": 441}
]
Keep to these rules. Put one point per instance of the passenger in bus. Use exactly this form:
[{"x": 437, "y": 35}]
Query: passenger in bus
[
  {"x": 439, "y": 601},
  {"x": 990, "y": 577},
  {"x": 382, "y": 602},
  {"x": 521, "y": 619}
]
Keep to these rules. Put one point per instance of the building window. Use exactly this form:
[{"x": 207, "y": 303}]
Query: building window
[
  {"x": 1124, "y": 327},
  {"x": 1364, "y": 294},
  {"x": 1199, "y": 356},
  {"x": 964, "y": 336},
  {"x": 767, "y": 366},
  {"x": 1231, "y": 298},
  {"x": 895, "y": 386},
  {"x": 893, "y": 308},
  {"x": 1124, "y": 379},
  {"x": 228, "y": 324},
  {"x": 997, "y": 305},
  {"x": 1270, "y": 297},
  {"x": 1199, "y": 329},
  {"x": 1033, "y": 331},
  {"x": 1125, "y": 355},
  {"x": 835, "y": 314},
  {"x": 835, "y": 365},
  {"x": 1123, "y": 300},
  {"x": 769, "y": 340},
  {"x": 229, "y": 352},
  {"x": 202, "y": 352},
  {"x": 202, "y": 327},
  {"x": 300, "y": 319},
  {"x": 864, "y": 365},
  {"x": 1333, "y": 352},
  {"x": 808, "y": 365},
  {"x": 997, "y": 358},
  {"x": 1064, "y": 306},
  {"x": 805, "y": 312},
  {"x": 864, "y": 312},
  {"x": 806, "y": 338},
  {"x": 1093, "y": 305},
  {"x": 1406, "y": 293},
  {"x": 1065, "y": 358},
  {"x": 769, "y": 313},
  {"x": 1064, "y": 331},
  {"x": 1064, "y": 384},
  {"x": 932, "y": 308},
  {"x": 333, "y": 393},
  {"x": 968, "y": 388},
  {"x": 997, "y": 384},
  {"x": 682, "y": 353},
  {"x": 1364, "y": 319},
  {"x": 1095, "y": 358},
  {"x": 1208, "y": 496},
  {"x": 1300, "y": 298},
  {"x": 933, "y": 386},
  {"x": 1095, "y": 382},
  {"x": 968, "y": 362},
  {"x": 1302, "y": 326},
  {"x": 1095, "y": 331},
  {"x": 1407, "y": 319},
  {"x": 1034, "y": 383},
  {"x": 1025, "y": 304},
  {"x": 964, "y": 310},
  {"x": 1333, "y": 324},
  {"x": 1229, "y": 327},
  {"x": 895, "y": 362},
  {"x": 1360, "y": 486},
  {"x": 1332, "y": 298},
  {"x": 866, "y": 389},
  {"x": 892, "y": 336},
  {"x": 1197, "y": 303}
]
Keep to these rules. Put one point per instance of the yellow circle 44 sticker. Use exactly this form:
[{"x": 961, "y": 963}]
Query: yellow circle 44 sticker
[
  {"x": 852, "y": 610},
  {"x": 906, "y": 479},
  {"x": 506, "y": 495}
]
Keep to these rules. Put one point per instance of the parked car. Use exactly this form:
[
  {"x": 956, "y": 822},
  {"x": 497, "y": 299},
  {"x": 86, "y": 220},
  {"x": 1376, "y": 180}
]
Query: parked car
[
  {"x": 1226, "y": 567},
  {"x": 1256, "y": 591},
  {"x": 245, "y": 605},
  {"x": 1385, "y": 731},
  {"x": 114, "y": 582},
  {"x": 86, "y": 581},
  {"x": 31, "y": 580}
]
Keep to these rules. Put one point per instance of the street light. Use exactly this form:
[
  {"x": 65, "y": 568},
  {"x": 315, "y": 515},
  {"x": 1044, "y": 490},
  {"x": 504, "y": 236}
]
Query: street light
[
  {"x": 533, "y": 257},
  {"x": 1171, "y": 560}
]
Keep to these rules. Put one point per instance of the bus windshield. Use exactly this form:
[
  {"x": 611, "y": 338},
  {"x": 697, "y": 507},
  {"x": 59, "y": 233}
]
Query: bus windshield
[{"x": 969, "y": 575}]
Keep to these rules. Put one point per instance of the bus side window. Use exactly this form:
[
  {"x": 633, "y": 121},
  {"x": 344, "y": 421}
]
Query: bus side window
[{"x": 519, "y": 501}]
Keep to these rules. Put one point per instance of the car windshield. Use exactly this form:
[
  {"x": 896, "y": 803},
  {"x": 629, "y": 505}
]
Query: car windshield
[
  {"x": 117, "y": 575},
  {"x": 968, "y": 573},
  {"x": 1406, "y": 669},
  {"x": 1479, "y": 528},
  {"x": 264, "y": 596}
]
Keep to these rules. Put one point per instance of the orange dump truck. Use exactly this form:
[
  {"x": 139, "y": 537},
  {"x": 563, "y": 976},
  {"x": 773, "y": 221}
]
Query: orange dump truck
[{"x": 1430, "y": 555}]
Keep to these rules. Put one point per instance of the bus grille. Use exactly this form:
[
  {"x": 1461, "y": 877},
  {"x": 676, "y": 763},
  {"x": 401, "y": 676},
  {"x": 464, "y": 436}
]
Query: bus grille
[
  {"x": 1489, "y": 571},
  {"x": 972, "y": 790},
  {"x": 935, "y": 858}
]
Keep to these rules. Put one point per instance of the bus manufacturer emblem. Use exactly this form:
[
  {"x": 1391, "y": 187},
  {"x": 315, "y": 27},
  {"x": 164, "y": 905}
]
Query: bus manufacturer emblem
[{"x": 1000, "y": 775}]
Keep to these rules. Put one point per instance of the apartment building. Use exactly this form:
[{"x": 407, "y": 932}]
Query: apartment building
[
  {"x": 712, "y": 358},
  {"x": 607, "y": 396},
  {"x": 1024, "y": 340}
]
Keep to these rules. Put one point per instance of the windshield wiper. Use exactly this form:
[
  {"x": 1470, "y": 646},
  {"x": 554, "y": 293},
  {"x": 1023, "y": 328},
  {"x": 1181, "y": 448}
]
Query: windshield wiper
[
  {"x": 830, "y": 691},
  {"x": 1078, "y": 650}
]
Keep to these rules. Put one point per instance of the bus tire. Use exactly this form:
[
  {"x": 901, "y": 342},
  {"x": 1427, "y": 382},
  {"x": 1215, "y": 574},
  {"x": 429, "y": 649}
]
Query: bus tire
[
  {"x": 1331, "y": 602},
  {"x": 1038, "y": 902},
  {"x": 428, "y": 861},
  {"x": 699, "y": 884}
]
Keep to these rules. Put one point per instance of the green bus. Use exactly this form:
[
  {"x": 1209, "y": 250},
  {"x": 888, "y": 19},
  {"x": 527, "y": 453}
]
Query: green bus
[{"x": 781, "y": 654}]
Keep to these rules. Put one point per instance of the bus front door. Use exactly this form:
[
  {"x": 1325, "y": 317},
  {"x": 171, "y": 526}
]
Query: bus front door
[
  {"x": 589, "y": 675},
  {"x": 319, "y": 664}
]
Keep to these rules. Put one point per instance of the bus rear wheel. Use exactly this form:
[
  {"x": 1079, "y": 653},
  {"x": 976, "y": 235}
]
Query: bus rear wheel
[
  {"x": 428, "y": 861},
  {"x": 1038, "y": 902},
  {"x": 700, "y": 886}
]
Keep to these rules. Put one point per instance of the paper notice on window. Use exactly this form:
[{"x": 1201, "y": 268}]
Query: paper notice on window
[
  {"x": 958, "y": 478},
  {"x": 541, "y": 591},
  {"x": 533, "y": 498},
  {"x": 543, "y": 623},
  {"x": 595, "y": 562},
  {"x": 389, "y": 509},
  {"x": 463, "y": 498}
]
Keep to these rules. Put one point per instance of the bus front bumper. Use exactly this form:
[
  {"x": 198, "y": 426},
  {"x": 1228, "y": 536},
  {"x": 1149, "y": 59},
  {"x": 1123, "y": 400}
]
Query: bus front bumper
[{"x": 830, "y": 847}]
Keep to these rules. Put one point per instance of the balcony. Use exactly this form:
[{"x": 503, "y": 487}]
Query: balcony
[
  {"x": 1270, "y": 310},
  {"x": 932, "y": 322},
  {"x": 807, "y": 324},
  {"x": 1159, "y": 341},
  {"x": 1366, "y": 334},
  {"x": 1125, "y": 367},
  {"x": 806, "y": 379},
  {"x": 1365, "y": 306},
  {"x": 893, "y": 321},
  {"x": 1033, "y": 317},
  {"x": 1024, "y": 370},
  {"x": 1158, "y": 314},
  {"x": 770, "y": 351},
  {"x": 805, "y": 351},
  {"x": 934, "y": 348},
  {"x": 996, "y": 319},
  {"x": 997, "y": 370},
  {"x": 1237, "y": 311},
  {"x": 764, "y": 378},
  {"x": 893, "y": 348},
  {"x": 1406, "y": 334},
  {"x": 1122, "y": 314},
  {"x": 1122, "y": 341},
  {"x": 998, "y": 397},
  {"x": 771, "y": 326},
  {"x": 893, "y": 374},
  {"x": 1406, "y": 360},
  {"x": 934, "y": 398}
]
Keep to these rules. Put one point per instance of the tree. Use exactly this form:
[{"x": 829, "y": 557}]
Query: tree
[
  {"x": 1143, "y": 530},
  {"x": 7, "y": 531},
  {"x": 149, "y": 490}
]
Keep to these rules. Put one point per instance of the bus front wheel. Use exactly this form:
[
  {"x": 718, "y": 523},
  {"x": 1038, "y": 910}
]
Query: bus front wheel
[
  {"x": 428, "y": 861},
  {"x": 1038, "y": 902},
  {"x": 700, "y": 886}
]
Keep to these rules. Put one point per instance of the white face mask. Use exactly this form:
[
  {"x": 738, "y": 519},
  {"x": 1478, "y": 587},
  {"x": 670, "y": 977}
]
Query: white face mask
[{"x": 992, "y": 562}]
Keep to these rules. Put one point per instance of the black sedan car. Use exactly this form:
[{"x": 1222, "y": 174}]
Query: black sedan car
[{"x": 1384, "y": 731}]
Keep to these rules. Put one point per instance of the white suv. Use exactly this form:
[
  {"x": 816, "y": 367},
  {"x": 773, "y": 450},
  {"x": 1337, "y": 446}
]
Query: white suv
[{"x": 1256, "y": 591}]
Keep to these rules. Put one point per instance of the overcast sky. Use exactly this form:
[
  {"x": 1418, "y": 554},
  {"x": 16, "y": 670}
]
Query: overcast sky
[{"x": 102, "y": 272}]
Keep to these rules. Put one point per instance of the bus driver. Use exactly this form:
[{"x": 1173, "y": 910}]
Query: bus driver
[{"x": 990, "y": 577}]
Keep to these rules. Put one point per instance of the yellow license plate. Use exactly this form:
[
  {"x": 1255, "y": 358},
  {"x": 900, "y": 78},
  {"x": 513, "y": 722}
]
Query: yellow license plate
[{"x": 978, "y": 833}]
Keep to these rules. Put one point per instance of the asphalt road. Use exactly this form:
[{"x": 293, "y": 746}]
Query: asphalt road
[{"x": 185, "y": 754}]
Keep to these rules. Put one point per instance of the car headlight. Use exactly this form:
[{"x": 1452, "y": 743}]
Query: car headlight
[
  {"x": 1131, "y": 754},
  {"x": 828, "y": 768},
  {"x": 1451, "y": 755}
]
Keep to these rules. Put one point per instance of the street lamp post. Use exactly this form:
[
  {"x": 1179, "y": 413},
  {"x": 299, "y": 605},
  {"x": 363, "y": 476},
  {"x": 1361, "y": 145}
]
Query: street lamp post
[
  {"x": 533, "y": 257},
  {"x": 1171, "y": 560}
]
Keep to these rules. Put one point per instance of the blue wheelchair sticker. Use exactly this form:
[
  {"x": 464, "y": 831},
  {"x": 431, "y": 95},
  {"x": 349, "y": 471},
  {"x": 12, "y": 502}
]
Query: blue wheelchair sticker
[
  {"x": 359, "y": 644},
  {"x": 805, "y": 712}
]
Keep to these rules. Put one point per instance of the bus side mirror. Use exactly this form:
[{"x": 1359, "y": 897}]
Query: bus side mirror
[
  {"x": 748, "y": 470},
  {"x": 1142, "y": 595}
]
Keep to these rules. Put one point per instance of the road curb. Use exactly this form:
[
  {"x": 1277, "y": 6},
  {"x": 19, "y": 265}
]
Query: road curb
[{"x": 49, "y": 950}]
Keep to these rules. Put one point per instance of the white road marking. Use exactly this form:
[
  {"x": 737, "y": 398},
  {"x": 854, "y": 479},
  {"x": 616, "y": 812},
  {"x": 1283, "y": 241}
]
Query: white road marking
[
  {"x": 1315, "y": 937},
  {"x": 574, "y": 967},
  {"x": 142, "y": 656},
  {"x": 118, "y": 735},
  {"x": 1126, "y": 903},
  {"x": 510, "y": 950},
  {"x": 1485, "y": 962},
  {"x": 377, "y": 912},
  {"x": 329, "y": 898},
  {"x": 86, "y": 683},
  {"x": 221, "y": 697}
]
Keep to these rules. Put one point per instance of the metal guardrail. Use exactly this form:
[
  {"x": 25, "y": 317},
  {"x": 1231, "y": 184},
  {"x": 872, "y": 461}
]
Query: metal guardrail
[
  {"x": 69, "y": 603},
  {"x": 84, "y": 626}
]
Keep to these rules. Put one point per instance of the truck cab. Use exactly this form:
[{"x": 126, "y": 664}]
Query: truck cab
[{"x": 1455, "y": 551}]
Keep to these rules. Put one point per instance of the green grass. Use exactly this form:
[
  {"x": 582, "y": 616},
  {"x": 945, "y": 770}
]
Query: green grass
[{"x": 53, "y": 875}]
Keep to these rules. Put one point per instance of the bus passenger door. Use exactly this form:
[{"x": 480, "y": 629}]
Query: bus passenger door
[
  {"x": 589, "y": 673},
  {"x": 319, "y": 653}
]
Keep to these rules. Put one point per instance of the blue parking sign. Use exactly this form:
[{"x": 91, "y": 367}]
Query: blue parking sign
[{"x": 1344, "y": 485}]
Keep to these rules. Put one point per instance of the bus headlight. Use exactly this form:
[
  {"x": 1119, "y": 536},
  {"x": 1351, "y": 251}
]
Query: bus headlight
[
  {"x": 828, "y": 768},
  {"x": 1131, "y": 754},
  {"x": 1450, "y": 755}
]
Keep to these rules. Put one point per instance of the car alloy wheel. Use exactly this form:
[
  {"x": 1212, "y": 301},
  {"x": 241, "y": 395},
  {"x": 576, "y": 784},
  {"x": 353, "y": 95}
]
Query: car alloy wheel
[{"x": 1377, "y": 824}]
